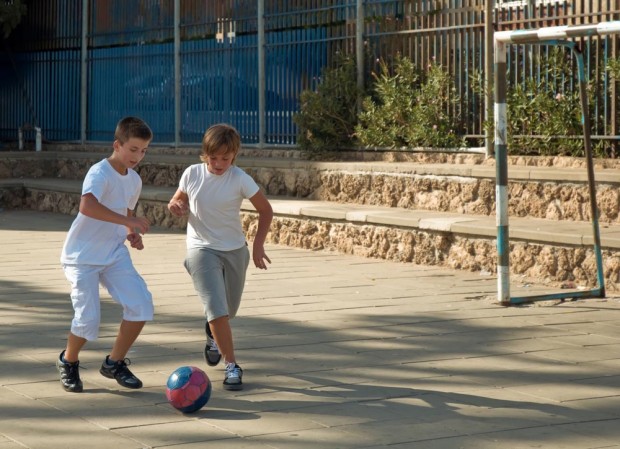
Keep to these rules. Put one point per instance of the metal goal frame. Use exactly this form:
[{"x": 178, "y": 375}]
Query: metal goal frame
[{"x": 542, "y": 36}]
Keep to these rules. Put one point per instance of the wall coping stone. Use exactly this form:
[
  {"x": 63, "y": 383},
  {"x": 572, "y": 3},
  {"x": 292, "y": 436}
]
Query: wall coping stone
[{"x": 524, "y": 229}]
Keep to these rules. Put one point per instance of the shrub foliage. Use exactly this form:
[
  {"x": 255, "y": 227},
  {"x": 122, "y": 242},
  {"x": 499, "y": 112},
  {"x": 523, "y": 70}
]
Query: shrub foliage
[
  {"x": 405, "y": 107},
  {"x": 409, "y": 108},
  {"x": 328, "y": 116}
]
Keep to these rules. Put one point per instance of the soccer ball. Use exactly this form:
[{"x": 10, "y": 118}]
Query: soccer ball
[{"x": 188, "y": 389}]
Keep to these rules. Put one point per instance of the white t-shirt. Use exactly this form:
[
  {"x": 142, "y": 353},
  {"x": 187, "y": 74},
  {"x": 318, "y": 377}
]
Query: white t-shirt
[
  {"x": 214, "y": 204},
  {"x": 94, "y": 242}
]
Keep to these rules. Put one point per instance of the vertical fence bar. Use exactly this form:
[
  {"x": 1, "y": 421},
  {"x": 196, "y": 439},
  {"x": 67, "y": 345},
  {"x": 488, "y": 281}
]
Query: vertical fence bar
[
  {"x": 177, "y": 72},
  {"x": 488, "y": 75},
  {"x": 615, "y": 120},
  {"x": 84, "y": 72},
  {"x": 262, "y": 126},
  {"x": 419, "y": 29},
  {"x": 359, "y": 48}
]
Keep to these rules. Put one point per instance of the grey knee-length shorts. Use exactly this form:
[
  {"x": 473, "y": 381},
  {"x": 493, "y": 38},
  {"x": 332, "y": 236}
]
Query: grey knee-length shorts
[{"x": 219, "y": 278}]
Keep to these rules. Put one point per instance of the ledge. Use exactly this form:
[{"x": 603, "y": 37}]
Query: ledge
[
  {"x": 515, "y": 172},
  {"x": 523, "y": 229}
]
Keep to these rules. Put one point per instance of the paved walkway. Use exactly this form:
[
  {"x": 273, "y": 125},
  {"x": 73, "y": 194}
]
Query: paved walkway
[{"x": 338, "y": 352}]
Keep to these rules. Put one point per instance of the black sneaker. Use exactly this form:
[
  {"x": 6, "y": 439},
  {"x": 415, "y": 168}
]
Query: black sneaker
[
  {"x": 233, "y": 377},
  {"x": 69, "y": 375},
  {"x": 120, "y": 372},
  {"x": 212, "y": 353}
]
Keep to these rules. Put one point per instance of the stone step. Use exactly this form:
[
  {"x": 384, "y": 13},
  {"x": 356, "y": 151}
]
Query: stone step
[
  {"x": 479, "y": 169},
  {"x": 542, "y": 249},
  {"x": 555, "y": 193}
]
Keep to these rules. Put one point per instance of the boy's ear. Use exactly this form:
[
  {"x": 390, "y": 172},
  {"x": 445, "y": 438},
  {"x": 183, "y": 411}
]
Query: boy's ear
[{"x": 116, "y": 144}]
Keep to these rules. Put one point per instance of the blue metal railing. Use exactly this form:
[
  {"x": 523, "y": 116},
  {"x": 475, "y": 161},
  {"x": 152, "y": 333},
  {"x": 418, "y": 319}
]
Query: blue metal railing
[{"x": 130, "y": 61}]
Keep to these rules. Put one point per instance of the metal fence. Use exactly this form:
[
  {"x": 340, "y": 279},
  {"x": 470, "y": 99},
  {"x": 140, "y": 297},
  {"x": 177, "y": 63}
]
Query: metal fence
[{"x": 73, "y": 68}]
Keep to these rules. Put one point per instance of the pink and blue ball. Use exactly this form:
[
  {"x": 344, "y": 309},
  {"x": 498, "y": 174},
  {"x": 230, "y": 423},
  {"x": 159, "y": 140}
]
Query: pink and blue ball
[{"x": 188, "y": 389}]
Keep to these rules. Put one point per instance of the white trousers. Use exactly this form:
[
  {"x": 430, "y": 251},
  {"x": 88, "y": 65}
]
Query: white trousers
[{"x": 123, "y": 283}]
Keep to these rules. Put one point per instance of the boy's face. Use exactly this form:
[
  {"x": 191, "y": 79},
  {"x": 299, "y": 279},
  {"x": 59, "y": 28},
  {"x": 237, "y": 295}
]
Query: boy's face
[
  {"x": 129, "y": 154},
  {"x": 220, "y": 161}
]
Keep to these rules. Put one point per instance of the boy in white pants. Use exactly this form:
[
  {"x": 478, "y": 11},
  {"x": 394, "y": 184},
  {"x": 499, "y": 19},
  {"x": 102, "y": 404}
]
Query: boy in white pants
[{"x": 94, "y": 252}]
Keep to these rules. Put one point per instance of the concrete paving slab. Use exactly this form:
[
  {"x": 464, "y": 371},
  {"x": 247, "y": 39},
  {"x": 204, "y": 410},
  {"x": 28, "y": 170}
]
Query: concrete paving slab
[
  {"x": 54, "y": 433},
  {"x": 115, "y": 418},
  {"x": 171, "y": 433},
  {"x": 602, "y": 387},
  {"x": 338, "y": 352},
  {"x": 249, "y": 443},
  {"x": 7, "y": 444},
  {"x": 607, "y": 431},
  {"x": 560, "y": 437}
]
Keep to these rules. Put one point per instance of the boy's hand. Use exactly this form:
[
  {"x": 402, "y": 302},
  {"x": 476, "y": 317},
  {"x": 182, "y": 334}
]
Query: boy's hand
[
  {"x": 259, "y": 256},
  {"x": 135, "y": 240},
  {"x": 178, "y": 207},
  {"x": 138, "y": 224}
]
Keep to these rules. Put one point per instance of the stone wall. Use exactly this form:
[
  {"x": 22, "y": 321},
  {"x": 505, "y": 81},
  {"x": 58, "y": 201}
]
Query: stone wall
[
  {"x": 561, "y": 200},
  {"x": 536, "y": 261},
  {"x": 553, "y": 200},
  {"x": 467, "y": 195}
]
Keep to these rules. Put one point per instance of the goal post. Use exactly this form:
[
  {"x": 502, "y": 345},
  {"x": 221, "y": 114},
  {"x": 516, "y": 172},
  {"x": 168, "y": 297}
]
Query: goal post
[{"x": 542, "y": 36}]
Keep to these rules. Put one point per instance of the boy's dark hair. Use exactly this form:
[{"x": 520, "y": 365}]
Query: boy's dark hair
[
  {"x": 218, "y": 138},
  {"x": 129, "y": 127}
]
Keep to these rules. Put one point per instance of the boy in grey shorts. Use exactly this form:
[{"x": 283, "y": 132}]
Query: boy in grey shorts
[{"x": 217, "y": 252}]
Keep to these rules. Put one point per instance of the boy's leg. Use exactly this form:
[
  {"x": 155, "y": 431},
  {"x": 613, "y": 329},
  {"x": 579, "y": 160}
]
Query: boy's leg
[
  {"x": 128, "y": 289},
  {"x": 235, "y": 267},
  {"x": 84, "y": 282},
  {"x": 74, "y": 346},
  {"x": 68, "y": 364},
  {"x": 223, "y": 337},
  {"x": 127, "y": 335},
  {"x": 212, "y": 353},
  {"x": 218, "y": 278},
  {"x": 115, "y": 365},
  {"x": 206, "y": 269}
]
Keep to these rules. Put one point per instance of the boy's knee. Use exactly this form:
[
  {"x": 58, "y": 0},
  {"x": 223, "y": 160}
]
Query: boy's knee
[
  {"x": 87, "y": 330},
  {"x": 142, "y": 311}
]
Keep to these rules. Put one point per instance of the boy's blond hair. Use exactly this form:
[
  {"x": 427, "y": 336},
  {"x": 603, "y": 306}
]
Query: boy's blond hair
[
  {"x": 129, "y": 127},
  {"x": 220, "y": 138}
]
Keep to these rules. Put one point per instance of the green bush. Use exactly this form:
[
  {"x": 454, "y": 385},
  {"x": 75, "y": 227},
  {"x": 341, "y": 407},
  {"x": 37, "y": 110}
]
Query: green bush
[
  {"x": 544, "y": 115},
  {"x": 11, "y": 13},
  {"x": 541, "y": 114},
  {"x": 613, "y": 68},
  {"x": 409, "y": 108},
  {"x": 328, "y": 116}
]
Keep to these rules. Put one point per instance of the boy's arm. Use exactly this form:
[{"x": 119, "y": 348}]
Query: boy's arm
[
  {"x": 179, "y": 203},
  {"x": 91, "y": 207},
  {"x": 134, "y": 237},
  {"x": 265, "y": 215}
]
